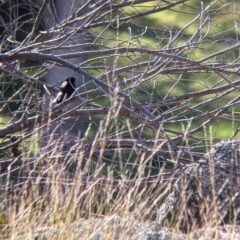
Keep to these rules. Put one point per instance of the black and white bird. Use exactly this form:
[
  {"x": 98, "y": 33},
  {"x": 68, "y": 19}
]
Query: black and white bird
[{"x": 67, "y": 88}]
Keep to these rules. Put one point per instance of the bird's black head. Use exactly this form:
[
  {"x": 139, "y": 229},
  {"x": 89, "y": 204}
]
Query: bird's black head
[{"x": 71, "y": 79}]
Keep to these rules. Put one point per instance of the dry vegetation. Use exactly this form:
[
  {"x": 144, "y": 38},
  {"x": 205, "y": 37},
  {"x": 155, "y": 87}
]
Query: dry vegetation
[{"x": 151, "y": 97}]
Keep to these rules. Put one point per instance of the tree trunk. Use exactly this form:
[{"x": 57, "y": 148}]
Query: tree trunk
[{"x": 71, "y": 128}]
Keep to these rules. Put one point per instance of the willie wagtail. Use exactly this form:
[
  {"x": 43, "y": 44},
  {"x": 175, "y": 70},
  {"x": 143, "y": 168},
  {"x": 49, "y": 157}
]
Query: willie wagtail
[{"x": 66, "y": 90}]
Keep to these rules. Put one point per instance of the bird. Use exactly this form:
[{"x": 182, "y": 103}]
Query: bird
[{"x": 67, "y": 88}]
